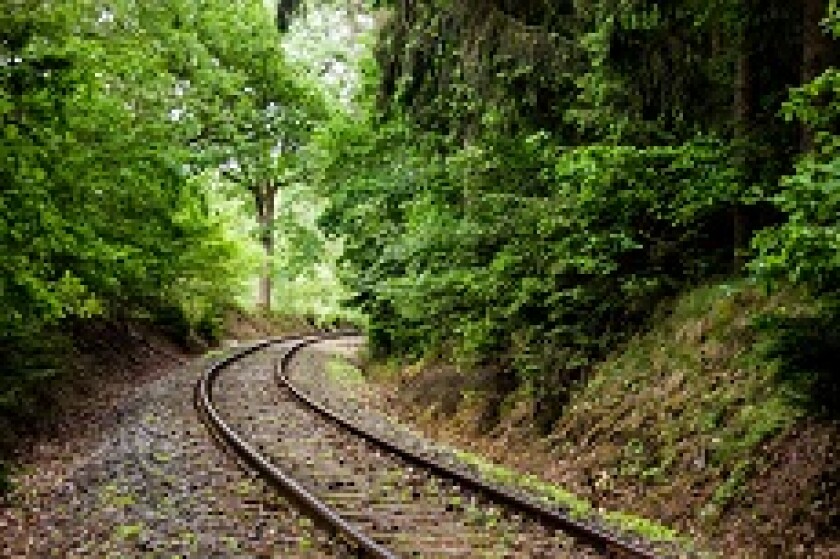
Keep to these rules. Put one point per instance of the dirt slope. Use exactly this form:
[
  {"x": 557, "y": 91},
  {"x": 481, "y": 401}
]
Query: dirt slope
[{"x": 689, "y": 424}]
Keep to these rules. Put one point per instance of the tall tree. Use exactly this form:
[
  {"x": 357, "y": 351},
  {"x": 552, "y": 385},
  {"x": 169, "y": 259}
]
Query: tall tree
[
  {"x": 742, "y": 118},
  {"x": 271, "y": 112},
  {"x": 265, "y": 194},
  {"x": 817, "y": 52}
]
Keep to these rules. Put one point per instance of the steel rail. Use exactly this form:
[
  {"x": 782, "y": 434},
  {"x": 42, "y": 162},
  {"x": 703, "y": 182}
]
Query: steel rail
[
  {"x": 317, "y": 508},
  {"x": 604, "y": 541}
]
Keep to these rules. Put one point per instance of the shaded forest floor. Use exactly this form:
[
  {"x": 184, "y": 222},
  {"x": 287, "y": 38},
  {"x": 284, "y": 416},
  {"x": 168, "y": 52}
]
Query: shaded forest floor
[
  {"x": 101, "y": 360},
  {"x": 106, "y": 359},
  {"x": 126, "y": 469},
  {"x": 691, "y": 424}
]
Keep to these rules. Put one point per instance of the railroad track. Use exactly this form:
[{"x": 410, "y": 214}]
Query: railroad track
[{"x": 382, "y": 499}]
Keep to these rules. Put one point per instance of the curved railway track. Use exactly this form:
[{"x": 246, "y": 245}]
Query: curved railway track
[{"x": 382, "y": 499}]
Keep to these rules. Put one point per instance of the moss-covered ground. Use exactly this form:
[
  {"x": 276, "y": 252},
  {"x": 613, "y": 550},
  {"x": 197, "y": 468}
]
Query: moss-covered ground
[{"x": 700, "y": 423}]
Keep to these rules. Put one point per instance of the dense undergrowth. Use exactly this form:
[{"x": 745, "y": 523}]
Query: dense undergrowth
[
  {"x": 126, "y": 130},
  {"x": 695, "y": 422},
  {"x": 527, "y": 209},
  {"x": 690, "y": 403}
]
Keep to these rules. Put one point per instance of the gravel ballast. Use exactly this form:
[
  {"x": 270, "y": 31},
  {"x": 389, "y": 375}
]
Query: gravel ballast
[{"x": 151, "y": 483}]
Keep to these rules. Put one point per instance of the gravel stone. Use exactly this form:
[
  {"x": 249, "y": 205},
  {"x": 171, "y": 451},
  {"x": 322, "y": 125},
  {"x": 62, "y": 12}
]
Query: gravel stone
[
  {"x": 155, "y": 485},
  {"x": 402, "y": 507}
]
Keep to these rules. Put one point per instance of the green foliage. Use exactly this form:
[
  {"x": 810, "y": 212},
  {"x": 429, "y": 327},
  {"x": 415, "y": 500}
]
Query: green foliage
[
  {"x": 517, "y": 184},
  {"x": 114, "y": 121},
  {"x": 534, "y": 179},
  {"x": 102, "y": 206},
  {"x": 472, "y": 253},
  {"x": 806, "y": 249}
]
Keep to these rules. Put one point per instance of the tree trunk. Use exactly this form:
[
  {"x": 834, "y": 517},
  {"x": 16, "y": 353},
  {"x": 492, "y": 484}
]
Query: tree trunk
[
  {"x": 285, "y": 11},
  {"x": 742, "y": 108},
  {"x": 353, "y": 10},
  {"x": 265, "y": 195},
  {"x": 816, "y": 50}
]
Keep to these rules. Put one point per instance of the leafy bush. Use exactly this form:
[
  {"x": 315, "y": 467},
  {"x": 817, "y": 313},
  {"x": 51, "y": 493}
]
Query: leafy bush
[
  {"x": 806, "y": 249},
  {"x": 520, "y": 250},
  {"x": 114, "y": 121}
]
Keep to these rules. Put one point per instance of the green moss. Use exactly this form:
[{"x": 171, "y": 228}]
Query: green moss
[
  {"x": 648, "y": 529},
  {"x": 230, "y": 543},
  {"x": 245, "y": 488},
  {"x": 577, "y": 507},
  {"x": 111, "y": 495},
  {"x": 128, "y": 531},
  {"x": 161, "y": 457},
  {"x": 691, "y": 401},
  {"x": 124, "y": 500},
  {"x": 341, "y": 371}
]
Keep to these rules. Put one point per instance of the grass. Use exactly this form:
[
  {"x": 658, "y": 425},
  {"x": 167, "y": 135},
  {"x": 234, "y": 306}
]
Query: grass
[
  {"x": 576, "y": 506},
  {"x": 505, "y": 476},
  {"x": 215, "y": 353},
  {"x": 691, "y": 402},
  {"x": 340, "y": 371},
  {"x": 129, "y": 531},
  {"x": 648, "y": 529},
  {"x": 112, "y": 495}
]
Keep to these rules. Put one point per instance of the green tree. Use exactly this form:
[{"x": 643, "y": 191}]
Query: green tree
[
  {"x": 273, "y": 113},
  {"x": 114, "y": 122},
  {"x": 535, "y": 177},
  {"x": 806, "y": 248}
]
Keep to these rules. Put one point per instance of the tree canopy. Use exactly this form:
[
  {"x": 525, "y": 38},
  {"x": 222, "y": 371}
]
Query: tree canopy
[
  {"x": 118, "y": 123},
  {"x": 533, "y": 178},
  {"x": 514, "y": 184}
]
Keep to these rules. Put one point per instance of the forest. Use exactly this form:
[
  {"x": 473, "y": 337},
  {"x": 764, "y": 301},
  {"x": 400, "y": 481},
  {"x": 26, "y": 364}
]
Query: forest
[
  {"x": 538, "y": 176},
  {"x": 521, "y": 187}
]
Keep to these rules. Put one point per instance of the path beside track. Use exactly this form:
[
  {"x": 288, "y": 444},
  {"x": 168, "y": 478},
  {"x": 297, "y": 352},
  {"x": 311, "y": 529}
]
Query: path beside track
[
  {"x": 396, "y": 503},
  {"x": 156, "y": 485}
]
